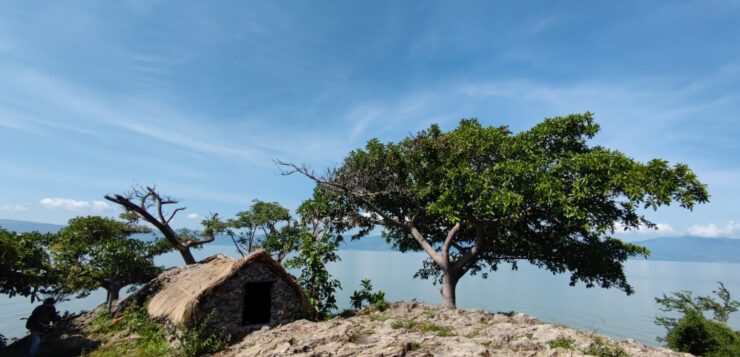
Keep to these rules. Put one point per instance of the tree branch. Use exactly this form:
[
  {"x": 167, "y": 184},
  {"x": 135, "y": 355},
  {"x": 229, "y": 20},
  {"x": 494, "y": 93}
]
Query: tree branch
[
  {"x": 174, "y": 213},
  {"x": 450, "y": 236}
]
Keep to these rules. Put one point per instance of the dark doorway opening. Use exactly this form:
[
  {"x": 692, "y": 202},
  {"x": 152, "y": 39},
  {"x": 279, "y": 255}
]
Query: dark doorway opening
[{"x": 257, "y": 303}]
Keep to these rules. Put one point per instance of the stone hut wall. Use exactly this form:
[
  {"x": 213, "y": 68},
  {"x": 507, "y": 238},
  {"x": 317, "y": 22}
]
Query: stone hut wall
[{"x": 227, "y": 301}]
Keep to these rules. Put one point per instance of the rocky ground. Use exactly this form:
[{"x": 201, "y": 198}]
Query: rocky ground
[{"x": 415, "y": 329}]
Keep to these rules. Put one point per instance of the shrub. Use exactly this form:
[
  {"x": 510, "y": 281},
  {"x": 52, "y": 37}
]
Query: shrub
[
  {"x": 697, "y": 335},
  {"x": 375, "y": 300},
  {"x": 202, "y": 338},
  {"x": 693, "y": 332}
]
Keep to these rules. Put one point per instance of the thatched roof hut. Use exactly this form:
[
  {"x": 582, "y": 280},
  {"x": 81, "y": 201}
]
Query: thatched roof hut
[{"x": 235, "y": 294}]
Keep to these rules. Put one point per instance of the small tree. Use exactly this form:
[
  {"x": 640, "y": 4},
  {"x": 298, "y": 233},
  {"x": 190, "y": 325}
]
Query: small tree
[
  {"x": 267, "y": 218},
  {"x": 25, "y": 266},
  {"x": 148, "y": 204},
  {"x": 374, "y": 299},
  {"x": 319, "y": 235},
  {"x": 477, "y": 196},
  {"x": 97, "y": 252}
]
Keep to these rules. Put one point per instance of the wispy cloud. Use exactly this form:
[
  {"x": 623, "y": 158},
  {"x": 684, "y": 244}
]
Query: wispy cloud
[
  {"x": 13, "y": 208},
  {"x": 69, "y": 204},
  {"x": 143, "y": 116},
  {"x": 193, "y": 216}
]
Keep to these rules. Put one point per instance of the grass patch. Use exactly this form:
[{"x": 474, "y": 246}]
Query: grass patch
[
  {"x": 377, "y": 317},
  {"x": 562, "y": 342},
  {"x": 413, "y": 325},
  {"x": 477, "y": 331},
  {"x": 600, "y": 348}
]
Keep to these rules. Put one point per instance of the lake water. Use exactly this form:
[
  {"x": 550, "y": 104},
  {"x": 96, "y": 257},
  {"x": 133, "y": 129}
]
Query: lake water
[{"x": 529, "y": 290}]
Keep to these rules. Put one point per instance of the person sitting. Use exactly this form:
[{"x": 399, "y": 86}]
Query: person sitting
[{"x": 40, "y": 322}]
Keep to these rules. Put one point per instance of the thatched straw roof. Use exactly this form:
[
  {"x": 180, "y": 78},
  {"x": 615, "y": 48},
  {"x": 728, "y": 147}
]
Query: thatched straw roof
[{"x": 178, "y": 300}]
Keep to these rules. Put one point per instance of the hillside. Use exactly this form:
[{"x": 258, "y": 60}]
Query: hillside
[{"x": 415, "y": 329}]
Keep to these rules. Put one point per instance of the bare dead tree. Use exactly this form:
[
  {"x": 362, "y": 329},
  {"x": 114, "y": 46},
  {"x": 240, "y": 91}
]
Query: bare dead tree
[{"x": 151, "y": 206}]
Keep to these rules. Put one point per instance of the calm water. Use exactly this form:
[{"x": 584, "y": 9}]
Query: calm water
[{"x": 532, "y": 291}]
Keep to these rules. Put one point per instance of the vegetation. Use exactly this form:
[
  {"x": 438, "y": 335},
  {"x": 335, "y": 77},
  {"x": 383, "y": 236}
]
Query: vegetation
[
  {"x": 320, "y": 229},
  {"x": 151, "y": 339},
  {"x": 202, "y": 338},
  {"x": 693, "y": 332},
  {"x": 267, "y": 218},
  {"x": 376, "y": 300},
  {"x": 97, "y": 252},
  {"x": 316, "y": 281},
  {"x": 601, "y": 349},
  {"x": 562, "y": 342},
  {"x": 421, "y": 326},
  {"x": 25, "y": 266},
  {"x": 136, "y": 334},
  {"x": 477, "y": 196}
]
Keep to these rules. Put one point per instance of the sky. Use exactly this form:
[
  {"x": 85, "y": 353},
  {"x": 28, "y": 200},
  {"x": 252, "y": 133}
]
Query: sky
[{"x": 201, "y": 98}]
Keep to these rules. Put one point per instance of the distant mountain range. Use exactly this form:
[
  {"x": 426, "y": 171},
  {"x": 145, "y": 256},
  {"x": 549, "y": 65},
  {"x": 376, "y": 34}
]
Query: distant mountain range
[
  {"x": 24, "y": 226},
  {"x": 693, "y": 249},
  {"x": 688, "y": 248}
]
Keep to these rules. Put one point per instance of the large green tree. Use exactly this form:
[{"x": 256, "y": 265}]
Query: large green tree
[
  {"x": 477, "y": 196},
  {"x": 96, "y": 252}
]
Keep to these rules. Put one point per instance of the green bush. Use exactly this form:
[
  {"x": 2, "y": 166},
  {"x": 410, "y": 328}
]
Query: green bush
[
  {"x": 376, "y": 300},
  {"x": 693, "y": 332},
  {"x": 201, "y": 339},
  {"x": 697, "y": 335}
]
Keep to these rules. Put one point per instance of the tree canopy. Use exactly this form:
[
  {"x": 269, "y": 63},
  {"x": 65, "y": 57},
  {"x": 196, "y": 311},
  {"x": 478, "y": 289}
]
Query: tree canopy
[
  {"x": 94, "y": 252},
  {"x": 477, "y": 196},
  {"x": 25, "y": 266},
  {"x": 266, "y": 225}
]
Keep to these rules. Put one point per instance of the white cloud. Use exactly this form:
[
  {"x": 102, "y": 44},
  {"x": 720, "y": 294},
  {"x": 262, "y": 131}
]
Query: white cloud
[
  {"x": 12, "y": 208},
  {"x": 69, "y": 204},
  {"x": 730, "y": 230},
  {"x": 662, "y": 229},
  {"x": 193, "y": 216}
]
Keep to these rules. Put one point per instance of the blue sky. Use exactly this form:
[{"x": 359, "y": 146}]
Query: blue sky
[{"x": 199, "y": 99}]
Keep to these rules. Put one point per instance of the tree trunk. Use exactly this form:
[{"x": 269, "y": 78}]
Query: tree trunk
[
  {"x": 113, "y": 294},
  {"x": 449, "y": 284},
  {"x": 186, "y": 255}
]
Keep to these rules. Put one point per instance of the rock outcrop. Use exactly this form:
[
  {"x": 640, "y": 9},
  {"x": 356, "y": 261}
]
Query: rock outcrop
[{"x": 415, "y": 329}]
